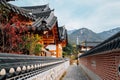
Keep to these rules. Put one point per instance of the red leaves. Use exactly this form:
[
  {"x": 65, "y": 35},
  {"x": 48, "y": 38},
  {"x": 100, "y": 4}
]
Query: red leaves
[{"x": 14, "y": 34}]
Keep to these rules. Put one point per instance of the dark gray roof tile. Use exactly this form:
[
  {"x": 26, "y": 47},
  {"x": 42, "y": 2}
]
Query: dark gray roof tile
[
  {"x": 48, "y": 17},
  {"x": 44, "y": 14},
  {"x": 62, "y": 33},
  {"x": 89, "y": 43},
  {"x": 37, "y": 9},
  {"x": 16, "y": 9}
]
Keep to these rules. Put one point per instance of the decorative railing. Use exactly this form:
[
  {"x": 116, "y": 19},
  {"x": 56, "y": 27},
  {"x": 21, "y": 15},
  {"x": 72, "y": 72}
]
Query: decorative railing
[
  {"x": 13, "y": 67},
  {"x": 111, "y": 43}
]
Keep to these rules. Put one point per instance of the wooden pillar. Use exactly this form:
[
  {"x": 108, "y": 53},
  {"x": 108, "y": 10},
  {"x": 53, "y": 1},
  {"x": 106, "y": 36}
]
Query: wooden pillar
[
  {"x": 57, "y": 50},
  {"x": 60, "y": 50}
]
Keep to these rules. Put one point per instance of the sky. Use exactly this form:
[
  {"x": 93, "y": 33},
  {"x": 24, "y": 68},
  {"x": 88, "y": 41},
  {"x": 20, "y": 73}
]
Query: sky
[{"x": 97, "y": 15}]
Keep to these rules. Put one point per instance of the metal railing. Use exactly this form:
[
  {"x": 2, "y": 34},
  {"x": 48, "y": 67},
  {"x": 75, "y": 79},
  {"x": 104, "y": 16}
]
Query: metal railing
[{"x": 13, "y": 66}]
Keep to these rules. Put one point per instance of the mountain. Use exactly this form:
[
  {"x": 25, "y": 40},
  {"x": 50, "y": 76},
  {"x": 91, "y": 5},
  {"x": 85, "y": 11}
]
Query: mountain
[
  {"x": 86, "y": 34},
  {"x": 71, "y": 31},
  {"x": 109, "y": 33},
  {"x": 82, "y": 35}
]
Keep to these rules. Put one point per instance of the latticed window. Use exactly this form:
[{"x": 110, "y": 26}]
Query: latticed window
[{"x": 93, "y": 63}]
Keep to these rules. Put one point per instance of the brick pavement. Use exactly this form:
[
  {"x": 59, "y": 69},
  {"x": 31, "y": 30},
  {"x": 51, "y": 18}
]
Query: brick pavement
[{"x": 75, "y": 72}]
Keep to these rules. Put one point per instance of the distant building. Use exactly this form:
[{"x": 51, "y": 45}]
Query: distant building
[{"x": 86, "y": 46}]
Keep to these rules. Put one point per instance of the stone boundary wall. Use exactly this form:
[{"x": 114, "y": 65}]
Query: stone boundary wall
[
  {"x": 52, "y": 74},
  {"x": 103, "y": 66},
  {"x": 89, "y": 73}
]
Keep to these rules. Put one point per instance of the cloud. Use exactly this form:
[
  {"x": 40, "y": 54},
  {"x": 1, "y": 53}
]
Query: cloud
[
  {"x": 107, "y": 15},
  {"x": 97, "y": 15},
  {"x": 29, "y": 2}
]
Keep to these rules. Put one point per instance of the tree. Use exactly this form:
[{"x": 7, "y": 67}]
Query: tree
[
  {"x": 32, "y": 44},
  {"x": 14, "y": 35},
  {"x": 4, "y": 18},
  {"x": 37, "y": 49},
  {"x": 68, "y": 49}
]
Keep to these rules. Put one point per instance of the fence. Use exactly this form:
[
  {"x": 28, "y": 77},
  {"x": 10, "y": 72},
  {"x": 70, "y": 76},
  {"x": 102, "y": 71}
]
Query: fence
[
  {"x": 13, "y": 66},
  {"x": 103, "y": 61}
]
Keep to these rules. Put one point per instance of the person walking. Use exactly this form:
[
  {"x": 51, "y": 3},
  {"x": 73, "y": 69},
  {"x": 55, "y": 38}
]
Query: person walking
[{"x": 77, "y": 62}]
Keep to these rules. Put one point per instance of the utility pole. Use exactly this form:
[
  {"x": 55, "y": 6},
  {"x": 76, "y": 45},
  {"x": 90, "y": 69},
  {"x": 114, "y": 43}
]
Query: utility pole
[
  {"x": 77, "y": 41},
  {"x": 86, "y": 44}
]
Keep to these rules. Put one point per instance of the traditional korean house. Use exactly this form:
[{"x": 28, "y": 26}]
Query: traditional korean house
[
  {"x": 57, "y": 49},
  {"x": 63, "y": 39},
  {"x": 63, "y": 36},
  {"x": 53, "y": 38},
  {"x": 87, "y": 45},
  {"x": 18, "y": 13},
  {"x": 14, "y": 22},
  {"x": 40, "y": 20}
]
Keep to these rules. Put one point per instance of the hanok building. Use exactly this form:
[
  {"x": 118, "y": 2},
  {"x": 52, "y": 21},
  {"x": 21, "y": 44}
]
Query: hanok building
[
  {"x": 43, "y": 22},
  {"x": 53, "y": 37},
  {"x": 18, "y": 13},
  {"x": 13, "y": 20},
  {"x": 86, "y": 46},
  {"x": 56, "y": 50}
]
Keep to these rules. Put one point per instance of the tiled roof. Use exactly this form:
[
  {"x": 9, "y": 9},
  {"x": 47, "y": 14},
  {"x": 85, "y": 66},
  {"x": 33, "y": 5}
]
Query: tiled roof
[
  {"x": 47, "y": 17},
  {"x": 62, "y": 33},
  {"x": 17, "y": 10},
  {"x": 43, "y": 15},
  {"x": 49, "y": 22},
  {"x": 46, "y": 20},
  {"x": 89, "y": 43},
  {"x": 37, "y": 9},
  {"x": 20, "y": 63}
]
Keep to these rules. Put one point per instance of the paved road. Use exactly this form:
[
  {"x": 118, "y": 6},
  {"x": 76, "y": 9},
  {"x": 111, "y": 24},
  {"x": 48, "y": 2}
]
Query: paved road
[{"x": 75, "y": 72}]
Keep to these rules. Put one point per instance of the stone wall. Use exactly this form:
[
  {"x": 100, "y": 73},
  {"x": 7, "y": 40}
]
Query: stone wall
[
  {"x": 103, "y": 66},
  {"x": 52, "y": 74}
]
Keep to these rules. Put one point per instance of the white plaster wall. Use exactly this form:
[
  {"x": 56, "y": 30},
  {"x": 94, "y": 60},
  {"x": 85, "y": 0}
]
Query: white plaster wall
[
  {"x": 52, "y": 74},
  {"x": 51, "y": 47}
]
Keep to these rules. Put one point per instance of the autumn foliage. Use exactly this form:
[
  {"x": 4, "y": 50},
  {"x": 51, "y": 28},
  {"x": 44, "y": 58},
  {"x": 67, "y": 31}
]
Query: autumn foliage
[{"x": 15, "y": 36}]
